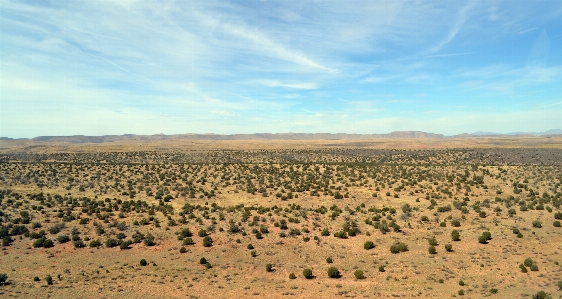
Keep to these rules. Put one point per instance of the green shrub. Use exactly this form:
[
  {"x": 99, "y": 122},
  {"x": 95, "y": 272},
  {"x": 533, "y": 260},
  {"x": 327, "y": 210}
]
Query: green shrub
[
  {"x": 432, "y": 241},
  {"x": 55, "y": 229},
  {"x": 537, "y": 223},
  {"x": 48, "y": 243},
  {"x": 307, "y": 273},
  {"x": 431, "y": 249},
  {"x": 202, "y": 233},
  {"x": 541, "y": 295},
  {"x": 381, "y": 268},
  {"x": 340, "y": 235},
  {"x": 398, "y": 247},
  {"x": 7, "y": 241},
  {"x": 188, "y": 241},
  {"x": 143, "y": 262},
  {"x": 19, "y": 230},
  {"x": 359, "y": 274},
  {"x": 95, "y": 243},
  {"x": 184, "y": 233},
  {"x": 79, "y": 243},
  {"x": 556, "y": 223},
  {"x": 523, "y": 268},
  {"x": 455, "y": 223},
  {"x": 455, "y": 235},
  {"x": 183, "y": 250},
  {"x": 63, "y": 239},
  {"x": 125, "y": 245},
  {"x": 202, "y": 261},
  {"x": 368, "y": 245},
  {"x": 528, "y": 262},
  {"x": 325, "y": 232},
  {"x": 36, "y": 278},
  {"x": 461, "y": 292},
  {"x": 292, "y": 276},
  {"x": 461, "y": 283},
  {"x": 3, "y": 278},
  {"x": 34, "y": 235},
  {"x": 250, "y": 246},
  {"x": 269, "y": 267},
  {"x": 49, "y": 279},
  {"x": 333, "y": 272},
  {"x": 111, "y": 242},
  {"x": 329, "y": 260},
  {"x": 38, "y": 243},
  {"x": 483, "y": 239},
  {"x": 149, "y": 240},
  {"x": 515, "y": 231},
  {"x": 100, "y": 230},
  {"x": 208, "y": 265},
  {"x": 207, "y": 241},
  {"x": 294, "y": 232},
  {"x": 534, "y": 267},
  {"x": 493, "y": 291},
  {"x": 449, "y": 247}
]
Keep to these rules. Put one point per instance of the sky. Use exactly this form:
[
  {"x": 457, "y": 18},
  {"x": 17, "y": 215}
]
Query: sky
[{"x": 227, "y": 67}]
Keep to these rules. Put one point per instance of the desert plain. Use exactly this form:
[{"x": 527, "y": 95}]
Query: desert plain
[{"x": 379, "y": 218}]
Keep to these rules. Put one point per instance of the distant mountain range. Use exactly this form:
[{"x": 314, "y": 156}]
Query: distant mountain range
[
  {"x": 549, "y": 132},
  {"x": 273, "y": 136}
]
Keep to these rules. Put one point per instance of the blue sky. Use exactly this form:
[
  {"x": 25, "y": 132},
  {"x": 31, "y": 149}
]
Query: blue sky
[{"x": 149, "y": 67}]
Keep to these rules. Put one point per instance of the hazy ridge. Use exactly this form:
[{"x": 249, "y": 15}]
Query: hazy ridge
[{"x": 273, "y": 136}]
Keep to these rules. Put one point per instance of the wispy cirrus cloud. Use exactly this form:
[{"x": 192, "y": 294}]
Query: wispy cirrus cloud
[{"x": 301, "y": 85}]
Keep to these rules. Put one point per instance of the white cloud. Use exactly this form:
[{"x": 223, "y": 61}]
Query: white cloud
[
  {"x": 460, "y": 20},
  {"x": 375, "y": 79},
  {"x": 276, "y": 83}
]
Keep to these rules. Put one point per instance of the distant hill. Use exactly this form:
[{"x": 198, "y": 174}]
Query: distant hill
[
  {"x": 257, "y": 136},
  {"x": 545, "y": 133},
  {"x": 273, "y": 136}
]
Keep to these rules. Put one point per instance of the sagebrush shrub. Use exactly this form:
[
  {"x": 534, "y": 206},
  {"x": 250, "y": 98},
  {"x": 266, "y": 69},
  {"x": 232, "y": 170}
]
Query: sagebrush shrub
[
  {"x": 359, "y": 274},
  {"x": 398, "y": 247},
  {"x": 431, "y": 249},
  {"x": 455, "y": 235},
  {"x": 333, "y": 272},
  {"x": 307, "y": 273}
]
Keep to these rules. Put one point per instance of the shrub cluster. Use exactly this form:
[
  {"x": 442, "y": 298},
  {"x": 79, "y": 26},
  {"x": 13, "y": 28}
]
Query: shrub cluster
[{"x": 398, "y": 247}]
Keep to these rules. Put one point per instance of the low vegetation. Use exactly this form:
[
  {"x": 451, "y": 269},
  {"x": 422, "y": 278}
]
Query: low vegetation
[{"x": 90, "y": 220}]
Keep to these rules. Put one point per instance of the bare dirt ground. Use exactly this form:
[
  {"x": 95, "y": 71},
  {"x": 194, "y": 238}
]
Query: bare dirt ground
[{"x": 290, "y": 204}]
